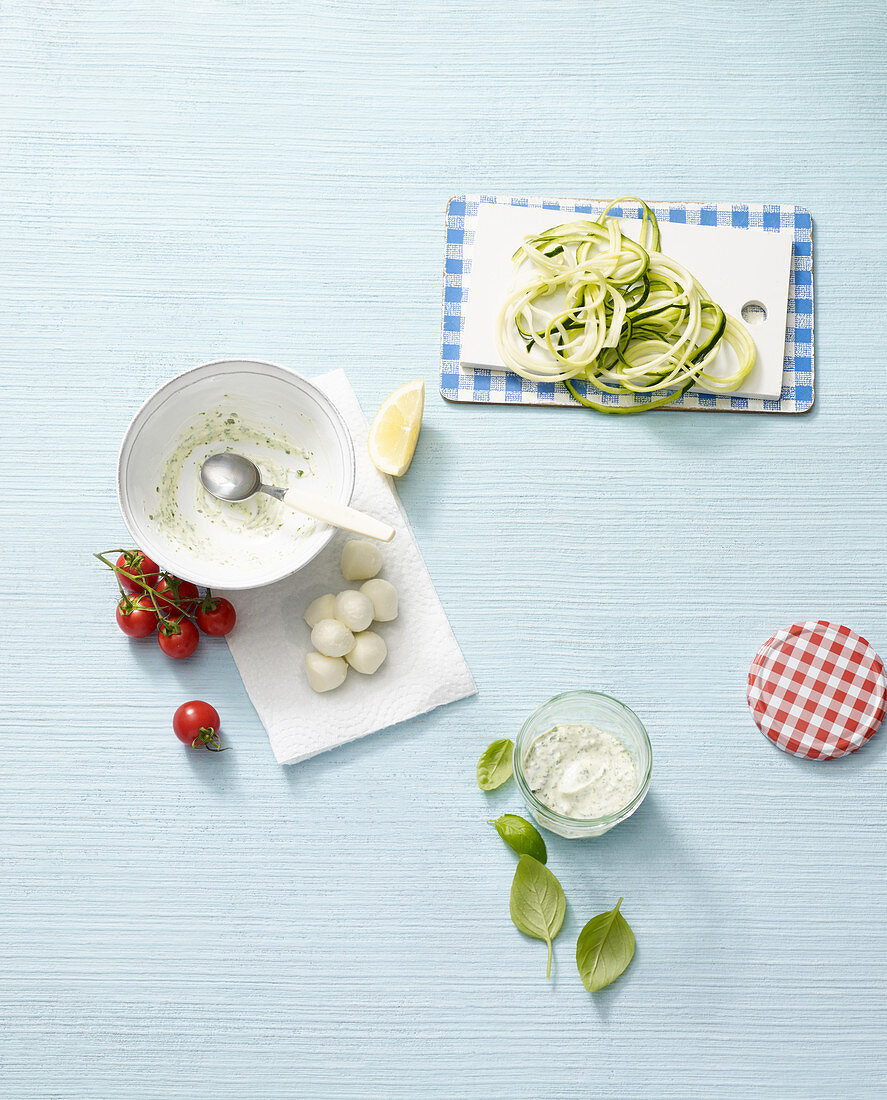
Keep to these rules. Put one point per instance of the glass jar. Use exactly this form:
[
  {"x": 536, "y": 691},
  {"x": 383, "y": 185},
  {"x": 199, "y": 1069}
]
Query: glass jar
[{"x": 591, "y": 708}]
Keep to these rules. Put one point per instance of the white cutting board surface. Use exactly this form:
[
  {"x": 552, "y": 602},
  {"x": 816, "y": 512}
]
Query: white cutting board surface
[{"x": 736, "y": 267}]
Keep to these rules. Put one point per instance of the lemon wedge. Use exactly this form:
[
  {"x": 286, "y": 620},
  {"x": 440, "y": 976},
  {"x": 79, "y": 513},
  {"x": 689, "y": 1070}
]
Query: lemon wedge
[{"x": 395, "y": 430}]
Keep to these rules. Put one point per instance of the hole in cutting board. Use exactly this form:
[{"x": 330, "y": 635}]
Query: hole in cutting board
[{"x": 754, "y": 313}]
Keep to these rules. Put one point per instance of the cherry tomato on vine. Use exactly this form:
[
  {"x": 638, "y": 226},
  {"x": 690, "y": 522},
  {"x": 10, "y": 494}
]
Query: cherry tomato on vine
[
  {"x": 136, "y": 617},
  {"x": 197, "y": 724},
  {"x": 177, "y": 596},
  {"x": 178, "y": 639},
  {"x": 135, "y": 566},
  {"x": 216, "y": 616}
]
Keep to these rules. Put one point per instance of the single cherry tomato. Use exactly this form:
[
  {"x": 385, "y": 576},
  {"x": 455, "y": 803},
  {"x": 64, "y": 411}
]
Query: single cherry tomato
[
  {"x": 216, "y": 616},
  {"x": 178, "y": 639},
  {"x": 136, "y": 617},
  {"x": 197, "y": 723},
  {"x": 135, "y": 566},
  {"x": 176, "y": 596}
]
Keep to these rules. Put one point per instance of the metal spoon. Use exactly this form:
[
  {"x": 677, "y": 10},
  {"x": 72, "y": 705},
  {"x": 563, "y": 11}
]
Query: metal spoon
[{"x": 233, "y": 477}]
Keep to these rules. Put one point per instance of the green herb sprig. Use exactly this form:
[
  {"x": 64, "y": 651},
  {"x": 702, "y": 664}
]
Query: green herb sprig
[
  {"x": 537, "y": 903},
  {"x": 521, "y": 836},
  {"x": 604, "y": 949},
  {"x": 495, "y": 765}
]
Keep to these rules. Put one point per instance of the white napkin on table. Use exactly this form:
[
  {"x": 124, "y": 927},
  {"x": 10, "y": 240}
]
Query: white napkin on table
[{"x": 424, "y": 669}]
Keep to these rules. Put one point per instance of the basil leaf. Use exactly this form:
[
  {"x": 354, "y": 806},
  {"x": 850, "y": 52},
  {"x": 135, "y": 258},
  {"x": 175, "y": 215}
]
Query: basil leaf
[
  {"x": 537, "y": 902},
  {"x": 521, "y": 835},
  {"x": 604, "y": 949},
  {"x": 494, "y": 767}
]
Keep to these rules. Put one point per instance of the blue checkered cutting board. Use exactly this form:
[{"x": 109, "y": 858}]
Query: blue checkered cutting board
[{"x": 459, "y": 383}]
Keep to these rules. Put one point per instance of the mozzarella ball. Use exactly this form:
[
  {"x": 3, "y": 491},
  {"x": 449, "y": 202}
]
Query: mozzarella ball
[
  {"x": 324, "y": 607},
  {"x": 325, "y": 673},
  {"x": 354, "y": 609},
  {"x": 368, "y": 653},
  {"x": 332, "y": 638},
  {"x": 361, "y": 559},
  {"x": 383, "y": 596}
]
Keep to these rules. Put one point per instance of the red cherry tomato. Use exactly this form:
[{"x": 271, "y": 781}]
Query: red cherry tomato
[
  {"x": 136, "y": 617},
  {"x": 180, "y": 596},
  {"x": 197, "y": 723},
  {"x": 216, "y": 616},
  {"x": 136, "y": 566},
  {"x": 179, "y": 639}
]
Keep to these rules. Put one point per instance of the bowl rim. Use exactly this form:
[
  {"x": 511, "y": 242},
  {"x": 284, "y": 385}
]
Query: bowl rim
[
  {"x": 286, "y": 374},
  {"x": 583, "y": 822}
]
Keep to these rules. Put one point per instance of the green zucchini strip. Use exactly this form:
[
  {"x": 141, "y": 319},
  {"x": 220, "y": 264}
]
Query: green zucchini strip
[{"x": 591, "y": 304}]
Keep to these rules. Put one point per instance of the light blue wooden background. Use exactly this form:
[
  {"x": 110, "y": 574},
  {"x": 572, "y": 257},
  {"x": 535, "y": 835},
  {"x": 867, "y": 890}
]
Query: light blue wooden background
[{"x": 183, "y": 181}]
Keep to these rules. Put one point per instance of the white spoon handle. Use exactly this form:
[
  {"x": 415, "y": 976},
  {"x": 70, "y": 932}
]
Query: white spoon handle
[{"x": 339, "y": 515}]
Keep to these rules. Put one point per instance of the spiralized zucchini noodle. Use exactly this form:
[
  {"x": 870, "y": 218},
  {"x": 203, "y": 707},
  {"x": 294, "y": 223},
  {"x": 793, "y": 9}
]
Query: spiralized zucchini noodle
[{"x": 591, "y": 304}]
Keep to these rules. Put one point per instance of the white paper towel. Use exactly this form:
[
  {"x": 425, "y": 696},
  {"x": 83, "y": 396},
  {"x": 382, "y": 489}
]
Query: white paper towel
[{"x": 425, "y": 667}]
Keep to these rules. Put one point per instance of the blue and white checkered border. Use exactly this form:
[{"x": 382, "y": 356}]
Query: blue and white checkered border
[{"x": 459, "y": 383}]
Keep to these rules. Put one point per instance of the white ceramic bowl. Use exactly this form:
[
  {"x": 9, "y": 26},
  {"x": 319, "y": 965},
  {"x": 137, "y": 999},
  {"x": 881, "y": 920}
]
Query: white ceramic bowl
[{"x": 266, "y": 395}]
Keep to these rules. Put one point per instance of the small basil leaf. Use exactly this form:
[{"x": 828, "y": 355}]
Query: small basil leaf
[
  {"x": 494, "y": 767},
  {"x": 604, "y": 949},
  {"x": 537, "y": 902},
  {"x": 520, "y": 835}
]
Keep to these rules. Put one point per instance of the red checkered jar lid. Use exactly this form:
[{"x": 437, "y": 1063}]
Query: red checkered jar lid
[{"x": 817, "y": 690}]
